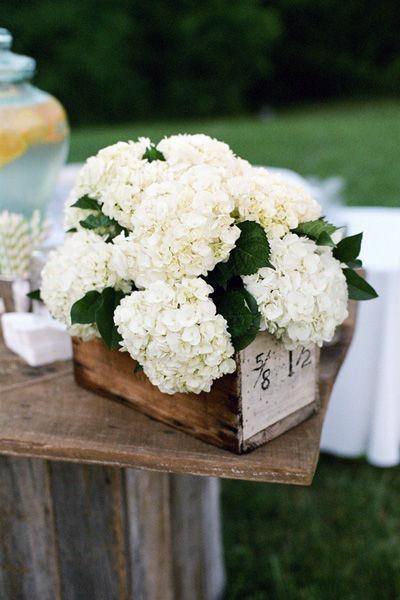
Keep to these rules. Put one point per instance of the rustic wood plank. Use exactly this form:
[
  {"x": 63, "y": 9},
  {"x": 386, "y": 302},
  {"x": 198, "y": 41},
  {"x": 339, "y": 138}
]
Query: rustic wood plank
[
  {"x": 175, "y": 536},
  {"x": 28, "y": 559},
  {"x": 196, "y": 537},
  {"x": 55, "y": 419},
  {"x": 76, "y": 532},
  {"x": 149, "y": 530},
  {"x": 90, "y": 522}
]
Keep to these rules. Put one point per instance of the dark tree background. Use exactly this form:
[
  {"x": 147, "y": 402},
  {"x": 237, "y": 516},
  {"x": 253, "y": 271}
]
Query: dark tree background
[{"x": 116, "y": 60}]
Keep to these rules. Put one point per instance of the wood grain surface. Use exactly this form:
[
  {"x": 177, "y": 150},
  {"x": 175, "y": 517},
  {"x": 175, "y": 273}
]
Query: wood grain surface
[
  {"x": 28, "y": 561},
  {"x": 83, "y": 532},
  {"x": 89, "y": 520},
  {"x": 43, "y": 413}
]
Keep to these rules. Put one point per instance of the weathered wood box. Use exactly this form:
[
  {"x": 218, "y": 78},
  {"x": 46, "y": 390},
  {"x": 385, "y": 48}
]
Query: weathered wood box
[{"x": 271, "y": 391}]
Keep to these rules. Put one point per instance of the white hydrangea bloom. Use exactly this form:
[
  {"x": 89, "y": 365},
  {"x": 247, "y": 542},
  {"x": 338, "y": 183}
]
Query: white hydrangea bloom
[
  {"x": 114, "y": 178},
  {"x": 181, "y": 229},
  {"x": 125, "y": 193},
  {"x": 199, "y": 149},
  {"x": 305, "y": 298},
  {"x": 100, "y": 170},
  {"x": 81, "y": 265},
  {"x": 173, "y": 331},
  {"x": 278, "y": 205}
]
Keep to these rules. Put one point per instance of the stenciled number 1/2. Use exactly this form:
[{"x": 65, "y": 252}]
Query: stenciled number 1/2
[
  {"x": 303, "y": 360},
  {"x": 264, "y": 372}
]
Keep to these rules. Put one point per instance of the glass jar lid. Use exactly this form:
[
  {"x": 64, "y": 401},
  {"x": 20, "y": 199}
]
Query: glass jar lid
[{"x": 13, "y": 67}]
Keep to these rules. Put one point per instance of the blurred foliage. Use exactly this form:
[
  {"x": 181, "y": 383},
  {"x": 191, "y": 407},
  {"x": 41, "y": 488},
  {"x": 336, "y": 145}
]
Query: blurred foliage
[
  {"x": 331, "y": 48},
  {"x": 128, "y": 59}
]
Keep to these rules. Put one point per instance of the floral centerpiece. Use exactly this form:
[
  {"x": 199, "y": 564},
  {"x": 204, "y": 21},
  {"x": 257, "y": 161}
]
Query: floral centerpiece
[{"x": 180, "y": 253}]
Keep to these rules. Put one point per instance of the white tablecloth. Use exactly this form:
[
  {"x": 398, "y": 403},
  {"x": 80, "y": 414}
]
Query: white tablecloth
[{"x": 364, "y": 412}]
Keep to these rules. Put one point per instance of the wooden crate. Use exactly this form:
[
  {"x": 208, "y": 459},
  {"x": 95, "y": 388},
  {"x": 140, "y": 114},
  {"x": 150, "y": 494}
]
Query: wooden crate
[{"x": 271, "y": 391}]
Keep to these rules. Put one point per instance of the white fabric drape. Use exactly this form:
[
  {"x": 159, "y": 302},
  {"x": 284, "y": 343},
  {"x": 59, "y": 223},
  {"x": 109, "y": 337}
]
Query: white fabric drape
[{"x": 364, "y": 413}]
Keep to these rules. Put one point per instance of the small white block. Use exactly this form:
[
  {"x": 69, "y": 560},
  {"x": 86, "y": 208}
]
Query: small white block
[{"x": 38, "y": 339}]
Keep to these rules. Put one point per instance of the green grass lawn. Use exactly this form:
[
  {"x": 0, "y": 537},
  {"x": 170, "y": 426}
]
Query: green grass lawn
[
  {"x": 336, "y": 540},
  {"x": 340, "y": 538},
  {"x": 360, "y": 142}
]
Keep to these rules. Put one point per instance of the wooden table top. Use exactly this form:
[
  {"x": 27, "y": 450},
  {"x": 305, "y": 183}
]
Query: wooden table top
[{"x": 44, "y": 414}]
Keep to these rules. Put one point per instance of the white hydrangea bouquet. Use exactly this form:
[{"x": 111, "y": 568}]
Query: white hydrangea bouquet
[{"x": 181, "y": 253}]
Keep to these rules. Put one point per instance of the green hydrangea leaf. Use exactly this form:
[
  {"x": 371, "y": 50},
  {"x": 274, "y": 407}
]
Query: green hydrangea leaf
[
  {"x": 251, "y": 253},
  {"x": 241, "y": 342},
  {"x": 252, "y": 249},
  {"x": 220, "y": 275},
  {"x": 314, "y": 229},
  {"x": 240, "y": 310},
  {"x": 34, "y": 295},
  {"x": 84, "y": 310},
  {"x": 87, "y": 203},
  {"x": 153, "y": 154},
  {"x": 252, "y": 304},
  {"x": 348, "y": 249},
  {"x": 355, "y": 264},
  {"x": 99, "y": 221},
  {"x": 358, "y": 288},
  {"x": 103, "y": 225},
  {"x": 325, "y": 240},
  {"x": 234, "y": 309},
  {"x": 110, "y": 299}
]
